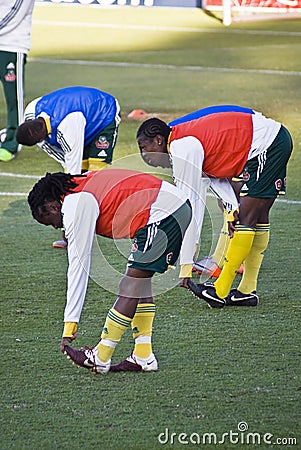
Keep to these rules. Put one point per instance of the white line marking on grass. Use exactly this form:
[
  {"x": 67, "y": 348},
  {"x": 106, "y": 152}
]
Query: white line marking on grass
[
  {"x": 20, "y": 175},
  {"x": 52, "y": 23},
  {"x": 163, "y": 66},
  {"x": 13, "y": 194},
  {"x": 25, "y": 194}
]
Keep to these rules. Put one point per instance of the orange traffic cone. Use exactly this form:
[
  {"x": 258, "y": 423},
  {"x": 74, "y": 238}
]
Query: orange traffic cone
[{"x": 137, "y": 113}]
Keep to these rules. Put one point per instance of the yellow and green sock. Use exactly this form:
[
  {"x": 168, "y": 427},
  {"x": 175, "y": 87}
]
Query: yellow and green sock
[
  {"x": 142, "y": 325},
  {"x": 254, "y": 259},
  {"x": 114, "y": 327},
  {"x": 239, "y": 247},
  {"x": 222, "y": 243}
]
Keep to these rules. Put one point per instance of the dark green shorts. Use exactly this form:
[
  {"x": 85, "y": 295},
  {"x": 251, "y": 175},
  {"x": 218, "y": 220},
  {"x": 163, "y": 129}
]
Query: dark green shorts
[
  {"x": 157, "y": 245},
  {"x": 102, "y": 146},
  {"x": 265, "y": 175}
]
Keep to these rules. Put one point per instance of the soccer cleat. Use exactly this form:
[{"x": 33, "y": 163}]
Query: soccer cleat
[
  {"x": 60, "y": 244},
  {"x": 134, "y": 364},
  {"x": 206, "y": 291},
  {"x": 207, "y": 266},
  {"x": 87, "y": 357},
  {"x": 6, "y": 155},
  {"x": 237, "y": 298}
]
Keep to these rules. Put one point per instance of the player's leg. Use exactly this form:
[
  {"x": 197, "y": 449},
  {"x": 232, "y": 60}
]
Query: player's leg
[
  {"x": 269, "y": 182},
  {"x": 251, "y": 209},
  {"x": 99, "y": 153},
  {"x": 246, "y": 290},
  {"x": 212, "y": 265},
  {"x": 155, "y": 247},
  {"x": 266, "y": 177},
  {"x": 12, "y": 77},
  {"x": 142, "y": 357},
  {"x": 134, "y": 285}
]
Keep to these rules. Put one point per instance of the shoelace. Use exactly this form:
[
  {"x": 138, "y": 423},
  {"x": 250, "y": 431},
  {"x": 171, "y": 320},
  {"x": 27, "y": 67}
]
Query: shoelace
[
  {"x": 91, "y": 357},
  {"x": 89, "y": 352}
]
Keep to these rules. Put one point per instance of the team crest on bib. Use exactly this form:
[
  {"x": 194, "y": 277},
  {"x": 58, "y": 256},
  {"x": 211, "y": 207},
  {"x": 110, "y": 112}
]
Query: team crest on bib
[
  {"x": 102, "y": 143},
  {"x": 246, "y": 176},
  {"x": 134, "y": 247},
  {"x": 278, "y": 184},
  {"x": 10, "y": 75},
  {"x": 168, "y": 257}
]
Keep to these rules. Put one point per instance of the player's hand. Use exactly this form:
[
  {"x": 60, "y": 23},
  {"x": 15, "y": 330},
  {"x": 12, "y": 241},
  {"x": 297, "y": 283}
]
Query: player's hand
[
  {"x": 65, "y": 340},
  {"x": 183, "y": 282},
  {"x": 232, "y": 225}
]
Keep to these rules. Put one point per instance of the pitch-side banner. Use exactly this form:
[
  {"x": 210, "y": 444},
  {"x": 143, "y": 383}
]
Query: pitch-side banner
[
  {"x": 281, "y": 5},
  {"x": 178, "y": 3}
]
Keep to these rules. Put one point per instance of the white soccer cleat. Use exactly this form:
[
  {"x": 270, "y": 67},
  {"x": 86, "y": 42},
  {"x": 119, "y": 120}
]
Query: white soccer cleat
[
  {"x": 88, "y": 358},
  {"x": 134, "y": 364}
]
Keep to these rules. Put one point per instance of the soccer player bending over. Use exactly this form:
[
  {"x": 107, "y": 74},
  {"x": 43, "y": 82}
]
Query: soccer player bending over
[
  {"x": 77, "y": 126},
  {"x": 116, "y": 204},
  {"x": 224, "y": 142}
]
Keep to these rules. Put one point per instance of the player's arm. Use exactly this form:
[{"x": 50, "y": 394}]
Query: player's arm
[
  {"x": 71, "y": 136},
  {"x": 80, "y": 212},
  {"x": 222, "y": 189},
  {"x": 187, "y": 161}
]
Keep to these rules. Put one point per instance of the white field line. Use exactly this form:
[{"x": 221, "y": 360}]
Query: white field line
[
  {"x": 163, "y": 66},
  {"x": 20, "y": 175},
  {"x": 35, "y": 177},
  {"x": 52, "y": 23}
]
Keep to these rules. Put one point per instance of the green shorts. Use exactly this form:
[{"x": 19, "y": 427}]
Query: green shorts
[
  {"x": 157, "y": 245},
  {"x": 100, "y": 149},
  {"x": 265, "y": 175}
]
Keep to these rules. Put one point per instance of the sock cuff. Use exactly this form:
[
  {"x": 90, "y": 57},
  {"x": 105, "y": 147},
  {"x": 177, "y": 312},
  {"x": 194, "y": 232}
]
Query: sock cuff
[
  {"x": 109, "y": 343},
  {"x": 145, "y": 308},
  {"x": 261, "y": 227},
  {"x": 118, "y": 318},
  {"x": 143, "y": 339},
  {"x": 244, "y": 229}
]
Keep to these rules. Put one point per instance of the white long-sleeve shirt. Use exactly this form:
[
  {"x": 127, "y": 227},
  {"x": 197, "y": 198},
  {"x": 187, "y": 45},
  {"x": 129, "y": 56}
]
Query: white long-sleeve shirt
[
  {"x": 82, "y": 210},
  {"x": 187, "y": 160},
  {"x": 15, "y": 25}
]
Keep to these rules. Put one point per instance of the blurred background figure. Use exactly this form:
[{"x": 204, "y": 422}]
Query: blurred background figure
[{"x": 15, "y": 41}]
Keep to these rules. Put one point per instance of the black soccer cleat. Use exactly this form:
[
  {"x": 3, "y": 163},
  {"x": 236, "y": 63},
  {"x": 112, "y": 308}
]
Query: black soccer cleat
[
  {"x": 206, "y": 291},
  {"x": 237, "y": 298}
]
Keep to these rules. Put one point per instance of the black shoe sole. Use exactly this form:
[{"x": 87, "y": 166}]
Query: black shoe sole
[{"x": 197, "y": 290}]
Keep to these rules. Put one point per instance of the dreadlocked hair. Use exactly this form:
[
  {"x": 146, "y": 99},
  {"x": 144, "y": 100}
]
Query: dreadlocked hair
[
  {"x": 53, "y": 186},
  {"x": 152, "y": 127}
]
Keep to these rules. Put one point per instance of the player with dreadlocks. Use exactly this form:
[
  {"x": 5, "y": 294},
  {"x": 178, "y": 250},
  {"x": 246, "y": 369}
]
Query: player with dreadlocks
[
  {"x": 117, "y": 204},
  {"x": 224, "y": 142},
  {"x": 53, "y": 187}
]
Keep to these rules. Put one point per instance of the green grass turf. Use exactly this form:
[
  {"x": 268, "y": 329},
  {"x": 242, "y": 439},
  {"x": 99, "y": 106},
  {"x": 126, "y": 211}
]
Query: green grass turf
[{"x": 217, "y": 368}]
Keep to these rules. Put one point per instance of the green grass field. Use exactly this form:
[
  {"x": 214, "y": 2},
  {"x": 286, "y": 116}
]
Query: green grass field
[{"x": 219, "y": 370}]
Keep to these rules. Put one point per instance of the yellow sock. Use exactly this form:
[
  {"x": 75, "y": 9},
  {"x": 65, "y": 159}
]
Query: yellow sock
[
  {"x": 142, "y": 325},
  {"x": 115, "y": 326},
  {"x": 222, "y": 243},
  {"x": 239, "y": 248},
  {"x": 254, "y": 259}
]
